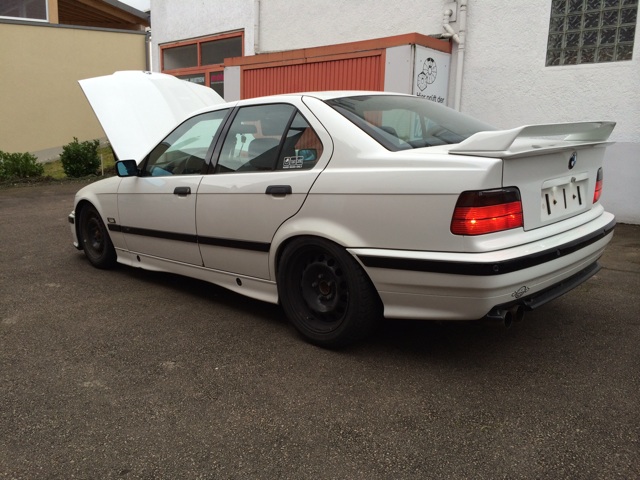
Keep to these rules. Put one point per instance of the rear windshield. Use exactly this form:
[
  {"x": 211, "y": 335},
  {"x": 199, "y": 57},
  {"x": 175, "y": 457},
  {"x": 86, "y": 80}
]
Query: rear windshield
[{"x": 403, "y": 122}]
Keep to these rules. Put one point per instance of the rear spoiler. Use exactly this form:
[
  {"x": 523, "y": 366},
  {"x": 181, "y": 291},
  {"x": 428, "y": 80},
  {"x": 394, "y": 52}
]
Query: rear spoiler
[{"x": 543, "y": 138}]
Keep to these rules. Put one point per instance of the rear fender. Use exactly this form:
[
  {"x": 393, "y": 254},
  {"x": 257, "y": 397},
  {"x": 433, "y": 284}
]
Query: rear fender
[{"x": 314, "y": 227}]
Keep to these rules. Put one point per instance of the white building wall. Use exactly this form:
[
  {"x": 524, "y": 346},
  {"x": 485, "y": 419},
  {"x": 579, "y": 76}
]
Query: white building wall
[
  {"x": 505, "y": 81},
  {"x": 507, "y": 84},
  {"x": 287, "y": 25}
]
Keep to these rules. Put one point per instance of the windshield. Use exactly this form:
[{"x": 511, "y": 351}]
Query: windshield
[{"x": 403, "y": 122}]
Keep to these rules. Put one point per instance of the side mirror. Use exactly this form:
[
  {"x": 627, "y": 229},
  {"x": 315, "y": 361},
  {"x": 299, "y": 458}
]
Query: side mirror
[{"x": 127, "y": 168}]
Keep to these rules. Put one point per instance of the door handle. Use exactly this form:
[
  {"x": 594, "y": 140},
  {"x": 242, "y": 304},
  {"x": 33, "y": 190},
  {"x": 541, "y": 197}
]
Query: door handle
[
  {"x": 182, "y": 191},
  {"x": 279, "y": 190}
]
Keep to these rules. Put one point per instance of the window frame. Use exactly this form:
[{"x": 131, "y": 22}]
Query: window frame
[
  {"x": 210, "y": 149},
  {"x": 201, "y": 69},
  {"x": 559, "y": 53},
  {"x": 30, "y": 19},
  {"x": 224, "y": 132}
]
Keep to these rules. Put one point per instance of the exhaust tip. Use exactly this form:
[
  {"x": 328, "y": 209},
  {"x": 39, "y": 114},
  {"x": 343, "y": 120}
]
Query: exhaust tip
[
  {"x": 508, "y": 319},
  {"x": 501, "y": 317},
  {"x": 498, "y": 318},
  {"x": 517, "y": 313}
]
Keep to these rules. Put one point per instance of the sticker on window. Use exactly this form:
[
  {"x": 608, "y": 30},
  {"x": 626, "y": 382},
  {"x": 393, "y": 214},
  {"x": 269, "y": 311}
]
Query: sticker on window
[{"x": 292, "y": 162}]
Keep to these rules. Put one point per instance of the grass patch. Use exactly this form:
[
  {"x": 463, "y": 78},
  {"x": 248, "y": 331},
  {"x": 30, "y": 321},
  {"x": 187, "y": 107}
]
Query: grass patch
[{"x": 54, "y": 170}]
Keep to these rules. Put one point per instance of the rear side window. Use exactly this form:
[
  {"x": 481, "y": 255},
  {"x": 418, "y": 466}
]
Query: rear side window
[
  {"x": 267, "y": 138},
  {"x": 301, "y": 147},
  {"x": 405, "y": 122}
]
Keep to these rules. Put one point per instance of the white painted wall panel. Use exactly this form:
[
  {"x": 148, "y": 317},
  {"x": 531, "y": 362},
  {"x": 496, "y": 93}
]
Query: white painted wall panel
[
  {"x": 621, "y": 193},
  {"x": 398, "y": 73},
  {"x": 507, "y": 83},
  {"x": 324, "y": 22},
  {"x": 232, "y": 83}
]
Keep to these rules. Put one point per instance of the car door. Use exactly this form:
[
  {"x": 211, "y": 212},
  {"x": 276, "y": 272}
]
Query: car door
[
  {"x": 265, "y": 167},
  {"x": 157, "y": 208}
]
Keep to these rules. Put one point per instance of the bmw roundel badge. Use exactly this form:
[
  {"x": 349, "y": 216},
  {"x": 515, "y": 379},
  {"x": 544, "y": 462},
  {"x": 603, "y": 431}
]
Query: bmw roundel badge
[{"x": 573, "y": 160}]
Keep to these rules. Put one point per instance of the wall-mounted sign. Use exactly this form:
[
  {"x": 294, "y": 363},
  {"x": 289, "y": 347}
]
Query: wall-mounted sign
[{"x": 431, "y": 74}]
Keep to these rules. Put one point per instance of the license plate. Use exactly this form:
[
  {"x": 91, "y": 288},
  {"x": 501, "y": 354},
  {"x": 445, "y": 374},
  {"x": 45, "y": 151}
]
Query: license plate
[{"x": 564, "y": 199}]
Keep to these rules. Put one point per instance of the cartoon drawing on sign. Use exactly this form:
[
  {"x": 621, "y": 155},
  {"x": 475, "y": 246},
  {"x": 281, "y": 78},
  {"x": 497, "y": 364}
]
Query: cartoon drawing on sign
[{"x": 428, "y": 74}]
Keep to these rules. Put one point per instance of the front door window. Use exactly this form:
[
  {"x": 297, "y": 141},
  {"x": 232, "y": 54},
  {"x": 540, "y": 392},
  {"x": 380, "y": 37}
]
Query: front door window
[{"x": 184, "y": 151}]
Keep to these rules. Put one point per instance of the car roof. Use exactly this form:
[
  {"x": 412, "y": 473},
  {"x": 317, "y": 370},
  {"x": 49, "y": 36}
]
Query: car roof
[
  {"x": 331, "y": 94},
  {"x": 323, "y": 95}
]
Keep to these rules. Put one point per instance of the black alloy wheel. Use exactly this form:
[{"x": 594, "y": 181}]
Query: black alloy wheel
[
  {"x": 95, "y": 239},
  {"x": 325, "y": 293}
]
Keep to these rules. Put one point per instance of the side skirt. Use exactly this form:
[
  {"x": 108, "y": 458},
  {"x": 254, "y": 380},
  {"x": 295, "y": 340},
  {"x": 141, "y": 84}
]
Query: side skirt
[{"x": 260, "y": 289}]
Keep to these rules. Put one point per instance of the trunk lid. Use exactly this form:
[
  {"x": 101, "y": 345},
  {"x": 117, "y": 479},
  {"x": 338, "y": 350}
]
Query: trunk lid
[
  {"x": 137, "y": 109},
  {"x": 555, "y": 166}
]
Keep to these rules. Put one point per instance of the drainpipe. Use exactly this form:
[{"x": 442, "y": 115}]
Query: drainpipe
[
  {"x": 459, "y": 38},
  {"x": 256, "y": 27},
  {"x": 149, "y": 51}
]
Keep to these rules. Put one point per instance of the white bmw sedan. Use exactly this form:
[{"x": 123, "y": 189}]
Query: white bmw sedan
[{"x": 344, "y": 207}]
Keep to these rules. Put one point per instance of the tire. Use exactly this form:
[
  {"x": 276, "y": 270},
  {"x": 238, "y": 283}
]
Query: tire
[
  {"x": 95, "y": 239},
  {"x": 326, "y": 294}
]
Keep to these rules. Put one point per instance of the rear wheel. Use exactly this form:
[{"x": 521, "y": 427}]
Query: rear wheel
[
  {"x": 95, "y": 239},
  {"x": 325, "y": 293}
]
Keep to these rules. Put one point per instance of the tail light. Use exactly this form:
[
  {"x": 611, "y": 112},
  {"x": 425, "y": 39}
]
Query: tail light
[
  {"x": 598, "y": 192},
  {"x": 487, "y": 211}
]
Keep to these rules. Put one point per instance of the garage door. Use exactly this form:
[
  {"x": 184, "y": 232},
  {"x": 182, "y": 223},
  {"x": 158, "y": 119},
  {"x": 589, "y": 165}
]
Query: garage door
[{"x": 363, "y": 72}]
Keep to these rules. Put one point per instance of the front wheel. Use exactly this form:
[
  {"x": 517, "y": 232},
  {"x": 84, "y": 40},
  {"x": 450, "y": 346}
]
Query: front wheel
[
  {"x": 325, "y": 293},
  {"x": 95, "y": 239}
]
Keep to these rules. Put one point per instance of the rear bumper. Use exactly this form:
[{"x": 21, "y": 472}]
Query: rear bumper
[
  {"x": 538, "y": 299},
  {"x": 462, "y": 286}
]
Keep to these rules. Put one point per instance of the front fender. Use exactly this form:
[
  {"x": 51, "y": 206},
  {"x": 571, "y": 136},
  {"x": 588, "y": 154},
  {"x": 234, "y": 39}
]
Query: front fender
[{"x": 103, "y": 195}]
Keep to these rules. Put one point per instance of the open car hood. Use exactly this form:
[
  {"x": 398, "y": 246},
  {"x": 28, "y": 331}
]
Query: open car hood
[{"x": 138, "y": 109}]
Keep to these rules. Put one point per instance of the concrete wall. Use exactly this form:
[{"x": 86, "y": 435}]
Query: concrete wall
[
  {"x": 43, "y": 106},
  {"x": 506, "y": 83},
  {"x": 621, "y": 193},
  {"x": 325, "y": 22},
  {"x": 505, "y": 80}
]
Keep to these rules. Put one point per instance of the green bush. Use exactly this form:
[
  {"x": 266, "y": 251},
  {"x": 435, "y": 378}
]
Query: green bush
[
  {"x": 19, "y": 165},
  {"x": 80, "y": 159}
]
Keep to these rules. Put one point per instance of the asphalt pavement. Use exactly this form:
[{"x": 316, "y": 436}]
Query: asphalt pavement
[{"x": 140, "y": 375}]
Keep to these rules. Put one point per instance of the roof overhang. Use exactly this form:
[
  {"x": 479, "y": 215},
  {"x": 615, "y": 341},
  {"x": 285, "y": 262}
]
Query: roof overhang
[{"x": 101, "y": 14}]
